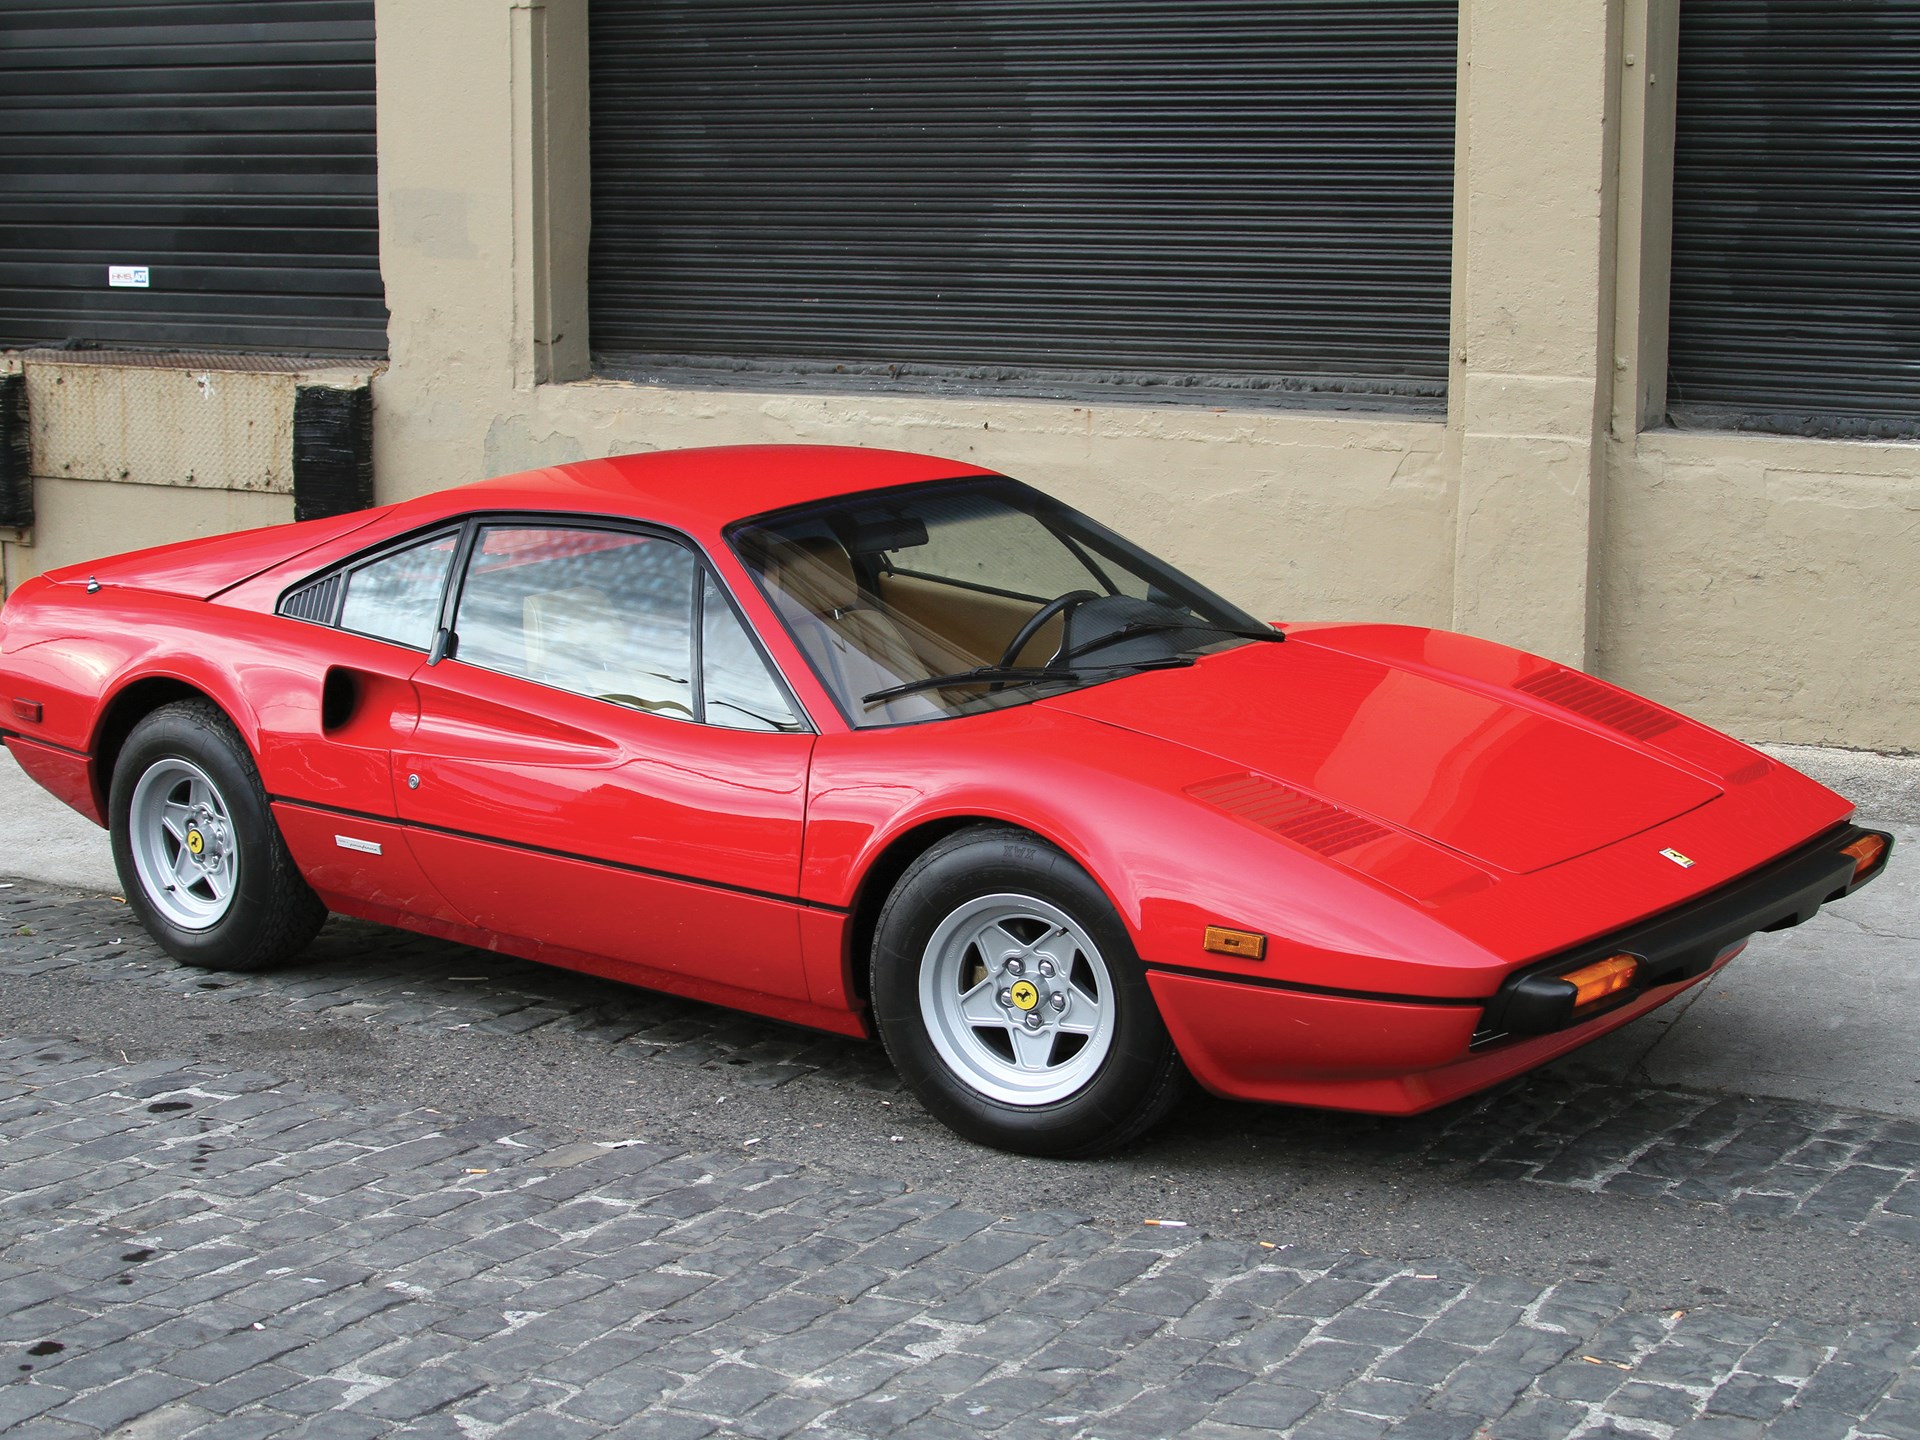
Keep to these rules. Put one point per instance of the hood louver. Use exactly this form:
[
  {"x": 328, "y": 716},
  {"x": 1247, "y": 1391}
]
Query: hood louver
[
  {"x": 1300, "y": 818},
  {"x": 1571, "y": 690}
]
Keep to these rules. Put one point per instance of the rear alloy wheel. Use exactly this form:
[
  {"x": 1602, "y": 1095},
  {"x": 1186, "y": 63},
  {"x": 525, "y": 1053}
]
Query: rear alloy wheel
[
  {"x": 181, "y": 835},
  {"x": 201, "y": 860},
  {"x": 1011, "y": 1001}
]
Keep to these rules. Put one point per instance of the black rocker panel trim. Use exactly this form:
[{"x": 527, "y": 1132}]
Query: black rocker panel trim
[{"x": 1269, "y": 982}]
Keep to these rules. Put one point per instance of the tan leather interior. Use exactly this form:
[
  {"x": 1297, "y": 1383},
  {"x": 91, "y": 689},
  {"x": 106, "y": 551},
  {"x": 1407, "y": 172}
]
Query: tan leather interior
[
  {"x": 856, "y": 647},
  {"x": 971, "y": 620},
  {"x": 925, "y": 628},
  {"x": 816, "y": 573}
]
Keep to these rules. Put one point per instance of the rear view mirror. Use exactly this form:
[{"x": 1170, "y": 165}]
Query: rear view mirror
[{"x": 871, "y": 537}]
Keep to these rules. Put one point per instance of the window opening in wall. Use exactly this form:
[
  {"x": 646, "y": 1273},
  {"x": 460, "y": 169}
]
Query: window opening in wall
[
  {"x": 187, "y": 176},
  {"x": 1796, "y": 218},
  {"x": 1249, "y": 199}
]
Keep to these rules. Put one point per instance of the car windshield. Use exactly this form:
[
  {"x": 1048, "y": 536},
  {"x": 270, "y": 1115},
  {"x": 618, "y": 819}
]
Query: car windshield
[{"x": 949, "y": 598}]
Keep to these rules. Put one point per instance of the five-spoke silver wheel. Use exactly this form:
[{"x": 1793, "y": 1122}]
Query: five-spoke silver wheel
[
  {"x": 202, "y": 862},
  {"x": 1017, "y": 999},
  {"x": 1009, "y": 995},
  {"x": 183, "y": 843}
]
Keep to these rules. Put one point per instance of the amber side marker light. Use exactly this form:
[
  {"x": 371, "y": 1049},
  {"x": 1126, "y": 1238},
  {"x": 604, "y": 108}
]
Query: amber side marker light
[
  {"x": 1601, "y": 979},
  {"x": 1866, "y": 853},
  {"x": 1246, "y": 944}
]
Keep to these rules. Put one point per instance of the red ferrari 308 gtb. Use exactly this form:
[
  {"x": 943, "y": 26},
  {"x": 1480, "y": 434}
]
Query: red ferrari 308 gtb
[{"x": 883, "y": 743}]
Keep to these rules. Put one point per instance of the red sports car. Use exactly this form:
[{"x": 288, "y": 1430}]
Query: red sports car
[{"x": 877, "y": 742}]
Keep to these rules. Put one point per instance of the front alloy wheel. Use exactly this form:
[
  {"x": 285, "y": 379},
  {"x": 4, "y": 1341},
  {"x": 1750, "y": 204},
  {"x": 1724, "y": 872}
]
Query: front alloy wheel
[
  {"x": 1017, "y": 999},
  {"x": 1010, "y": 999}
]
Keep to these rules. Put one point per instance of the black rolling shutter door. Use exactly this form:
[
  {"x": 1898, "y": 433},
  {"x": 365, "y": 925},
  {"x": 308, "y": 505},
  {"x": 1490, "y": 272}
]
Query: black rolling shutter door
[
  {"x": 1796, "y": 217},
  {"x": 1228, "y": 195},
  {"x": 226, "y": 148}
]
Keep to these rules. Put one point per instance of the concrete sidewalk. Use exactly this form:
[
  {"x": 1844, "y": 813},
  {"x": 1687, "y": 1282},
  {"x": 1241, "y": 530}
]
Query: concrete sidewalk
[{"x": 1827, "y": 1013}]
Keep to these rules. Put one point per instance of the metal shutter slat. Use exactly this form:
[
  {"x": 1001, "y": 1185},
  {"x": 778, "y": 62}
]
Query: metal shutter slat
[
  {"x": 1796, "y": 226},
  {"x": 1249, "y": 195},
  {"x": 228, "y": 147}
]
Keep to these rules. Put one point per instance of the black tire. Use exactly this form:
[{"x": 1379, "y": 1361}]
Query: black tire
[
  {"x": 269, "y": 914},
  {"x": 1093, "y": 1093}
]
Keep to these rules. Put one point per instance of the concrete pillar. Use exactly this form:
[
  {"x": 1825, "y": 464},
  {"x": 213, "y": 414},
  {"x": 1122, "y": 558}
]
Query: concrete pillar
[
  {"x": 446, "y": 147},
  {"x": 551, "y": 190},
  {"x": 1533, "y": 316},
  {"x": 483, "y": 224},
  {"x": 1650, "y": 50}
]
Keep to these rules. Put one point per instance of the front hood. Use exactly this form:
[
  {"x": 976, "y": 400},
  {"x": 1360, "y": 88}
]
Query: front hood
[{"x": 1504, "y": 782}]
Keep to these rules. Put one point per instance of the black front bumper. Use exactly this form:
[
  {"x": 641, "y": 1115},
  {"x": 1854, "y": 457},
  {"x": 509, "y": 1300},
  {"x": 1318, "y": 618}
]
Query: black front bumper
[{"x": 1685, "y": 942}]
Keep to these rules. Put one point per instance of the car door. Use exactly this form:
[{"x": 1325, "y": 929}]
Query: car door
[
  {"x": 604, "y": 763},
  {"x": 333, "y": 701}
]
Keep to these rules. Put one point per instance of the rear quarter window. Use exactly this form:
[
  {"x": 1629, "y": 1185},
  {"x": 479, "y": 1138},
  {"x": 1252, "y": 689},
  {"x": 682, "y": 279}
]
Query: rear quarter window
[{"x": 397, "y": 597}]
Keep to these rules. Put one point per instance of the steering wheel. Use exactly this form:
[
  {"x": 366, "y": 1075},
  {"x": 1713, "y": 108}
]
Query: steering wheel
[{"x": 1059, "y": 605}]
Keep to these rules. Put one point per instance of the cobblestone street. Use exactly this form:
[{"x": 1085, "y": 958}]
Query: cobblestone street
[{"x": 193, "y": 1248}]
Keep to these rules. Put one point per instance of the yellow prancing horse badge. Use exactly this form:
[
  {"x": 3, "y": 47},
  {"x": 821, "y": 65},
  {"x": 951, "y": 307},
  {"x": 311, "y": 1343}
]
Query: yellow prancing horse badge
[
  {"x": 1025, "y": 996},
  {"x": 196, "y": 842}
]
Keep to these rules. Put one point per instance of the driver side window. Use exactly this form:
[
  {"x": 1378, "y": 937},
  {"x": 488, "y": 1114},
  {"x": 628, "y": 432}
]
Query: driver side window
[
  {"x": 602, "y": 613},
  {"x": 610, "y": 614}
]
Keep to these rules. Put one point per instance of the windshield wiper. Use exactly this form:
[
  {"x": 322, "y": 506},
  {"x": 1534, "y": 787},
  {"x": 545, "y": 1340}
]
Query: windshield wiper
[
  {"x": 1158, "y": 627},
  {"x": 1014, "y": 675}
]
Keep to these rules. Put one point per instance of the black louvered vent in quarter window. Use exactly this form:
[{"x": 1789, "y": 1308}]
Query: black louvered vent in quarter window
[{"x": 317, "y": 601}]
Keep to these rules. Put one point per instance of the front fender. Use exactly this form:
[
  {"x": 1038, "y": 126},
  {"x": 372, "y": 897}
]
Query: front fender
[{"x": 1116, "y": 802}]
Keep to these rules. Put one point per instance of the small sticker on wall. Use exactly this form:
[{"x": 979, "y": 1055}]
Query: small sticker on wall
[{"x": 127, "y": 277}]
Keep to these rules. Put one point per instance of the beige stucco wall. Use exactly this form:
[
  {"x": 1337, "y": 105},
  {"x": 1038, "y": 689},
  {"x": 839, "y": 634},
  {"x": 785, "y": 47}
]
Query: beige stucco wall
[
  {"x": 1764, "y": 584},
  {"x": 1768, "y": 585},
  {"x": 81, "y": 520}
]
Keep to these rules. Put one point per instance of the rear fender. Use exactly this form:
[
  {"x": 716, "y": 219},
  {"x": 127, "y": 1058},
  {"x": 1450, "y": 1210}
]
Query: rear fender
[
  {"x": 201, "y": 569},
  {"x": 95, "y": 662}
]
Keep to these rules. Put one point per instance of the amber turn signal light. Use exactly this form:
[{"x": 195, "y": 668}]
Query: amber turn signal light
[
  {"x": 1246, "y": 944},
  {"x": 1601, "y": 979},
  {"x": 1866, "y": 853}
]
